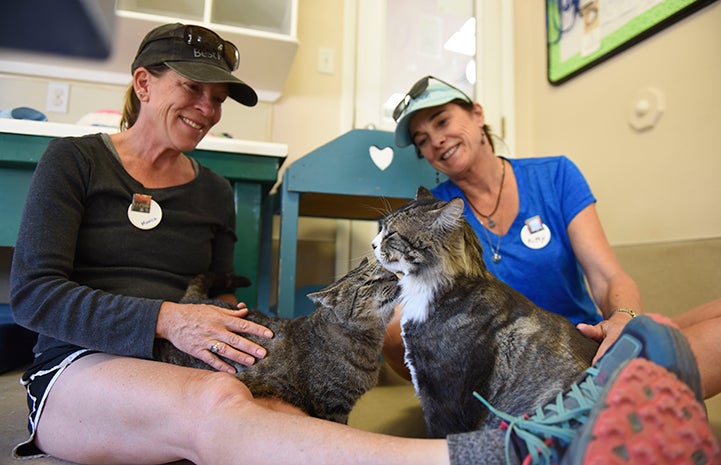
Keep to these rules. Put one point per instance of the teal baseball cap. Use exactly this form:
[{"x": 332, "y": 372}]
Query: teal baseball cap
[{"x": 426, "y": 93}]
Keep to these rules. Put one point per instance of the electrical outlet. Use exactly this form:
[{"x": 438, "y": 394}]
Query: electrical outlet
[
  {"x": 326, "y": 59},
  {"x": 58, "y": 97}
]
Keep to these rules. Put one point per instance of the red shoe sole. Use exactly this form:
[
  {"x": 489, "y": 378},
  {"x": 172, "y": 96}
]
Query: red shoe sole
[{"x": 650, "y": 417}]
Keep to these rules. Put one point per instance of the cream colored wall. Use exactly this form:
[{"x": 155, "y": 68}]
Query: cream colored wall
[
  {"x": 658, "y": 185},
  {"x": 86, "y": 97},
  {"x": 308, "y": 116},
  {"x": 308, "y": 113}
]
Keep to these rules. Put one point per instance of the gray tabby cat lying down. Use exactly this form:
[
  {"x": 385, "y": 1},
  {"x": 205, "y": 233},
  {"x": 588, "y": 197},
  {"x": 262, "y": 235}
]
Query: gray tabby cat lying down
[
  {"x": 464, "y": 330},
  {"x": 323, "y": 362}
]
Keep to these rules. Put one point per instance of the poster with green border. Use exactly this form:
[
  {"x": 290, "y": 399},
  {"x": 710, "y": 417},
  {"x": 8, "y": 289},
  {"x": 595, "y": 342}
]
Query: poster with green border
[{"x": 582, "y": 33}]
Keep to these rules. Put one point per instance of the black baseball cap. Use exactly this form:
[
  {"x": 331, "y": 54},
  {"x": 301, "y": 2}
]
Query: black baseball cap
[{"x": 196, "y": 53}]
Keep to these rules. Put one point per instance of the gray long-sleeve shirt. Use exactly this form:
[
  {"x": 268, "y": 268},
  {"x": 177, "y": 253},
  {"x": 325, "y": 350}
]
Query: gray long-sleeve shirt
[{"x": 83, "y": 274}]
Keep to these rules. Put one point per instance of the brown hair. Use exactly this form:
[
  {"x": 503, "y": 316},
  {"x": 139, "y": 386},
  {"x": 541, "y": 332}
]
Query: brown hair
[
  {"x": 468, "y": 106},
  {"x": 131, "y": 107}
]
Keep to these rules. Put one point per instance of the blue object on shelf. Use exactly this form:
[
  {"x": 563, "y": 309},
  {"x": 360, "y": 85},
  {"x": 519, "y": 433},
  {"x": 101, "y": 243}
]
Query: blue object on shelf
[{"x": 23, "y": 113}]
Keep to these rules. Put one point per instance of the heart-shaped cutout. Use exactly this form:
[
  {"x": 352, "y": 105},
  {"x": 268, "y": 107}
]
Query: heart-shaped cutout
[{"x": 381, "y": 157}]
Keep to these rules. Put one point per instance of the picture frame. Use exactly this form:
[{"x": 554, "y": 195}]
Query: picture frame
[{"x": 581, "y": 34}]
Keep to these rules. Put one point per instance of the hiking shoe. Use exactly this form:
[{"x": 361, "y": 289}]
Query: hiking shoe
[
  {"x": 543, "y": 437},
  {"x": 659, "y": 340},
  {"x": 645, "y": 415}
]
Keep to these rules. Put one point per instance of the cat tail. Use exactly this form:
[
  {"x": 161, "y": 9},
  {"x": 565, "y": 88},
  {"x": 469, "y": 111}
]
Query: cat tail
[
  {"x": 229, "y": 280},
  {"x": 201, "y": 284}
]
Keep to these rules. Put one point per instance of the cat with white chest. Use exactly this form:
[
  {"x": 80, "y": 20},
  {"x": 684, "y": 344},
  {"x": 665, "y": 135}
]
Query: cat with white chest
[{"x": 464, "y": 330}]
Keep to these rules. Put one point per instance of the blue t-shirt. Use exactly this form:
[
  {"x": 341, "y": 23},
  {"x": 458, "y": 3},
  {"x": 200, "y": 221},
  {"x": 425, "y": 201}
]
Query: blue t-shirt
[{"x": 539, "y": 264}]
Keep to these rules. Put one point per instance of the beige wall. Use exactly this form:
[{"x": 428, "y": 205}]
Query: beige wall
[
  {"x": 86, "y": 97},
  {"x": 308, "y": 114},
  {"x": 657, "y": 185}
]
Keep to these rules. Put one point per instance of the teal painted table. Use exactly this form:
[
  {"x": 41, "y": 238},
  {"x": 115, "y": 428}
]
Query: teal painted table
[
  {"x": 251, "y": 168},
  {"x": 358, "y": 175}
]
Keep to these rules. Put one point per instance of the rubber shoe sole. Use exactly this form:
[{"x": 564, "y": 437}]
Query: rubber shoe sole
[
  {"x": 645, "y": 416},
  {"x": 662, "y": 342}
]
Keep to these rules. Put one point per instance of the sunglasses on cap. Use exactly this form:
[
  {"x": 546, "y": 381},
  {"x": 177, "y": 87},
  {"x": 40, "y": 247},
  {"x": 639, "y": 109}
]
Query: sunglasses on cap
[
  {"x": 416, "y": 91},
  {"x": 200, "y": 37}
]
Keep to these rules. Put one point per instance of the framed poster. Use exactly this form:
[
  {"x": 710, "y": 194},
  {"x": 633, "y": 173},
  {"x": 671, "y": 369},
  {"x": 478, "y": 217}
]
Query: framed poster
[{"x": 582, "y": 33}]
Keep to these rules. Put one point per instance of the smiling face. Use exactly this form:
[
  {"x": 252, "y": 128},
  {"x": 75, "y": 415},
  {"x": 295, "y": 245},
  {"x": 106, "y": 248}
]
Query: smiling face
[
  {"x": 183, "y": 111},
  {"x": 448, "y": 136}
]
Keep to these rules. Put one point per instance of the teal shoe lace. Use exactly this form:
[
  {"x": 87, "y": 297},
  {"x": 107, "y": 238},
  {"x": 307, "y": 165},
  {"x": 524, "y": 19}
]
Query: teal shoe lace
[{"x": 557, "y": 421}]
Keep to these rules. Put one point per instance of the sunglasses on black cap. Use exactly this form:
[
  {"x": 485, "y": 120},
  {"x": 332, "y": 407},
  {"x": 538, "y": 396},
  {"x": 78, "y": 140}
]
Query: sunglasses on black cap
[
  {"x": 415, "y": 92},
  {"x": 200, "y": 37}
]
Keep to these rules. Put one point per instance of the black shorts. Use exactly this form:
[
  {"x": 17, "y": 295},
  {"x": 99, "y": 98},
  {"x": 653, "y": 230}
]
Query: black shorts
[{"x": 38, "y": 380}]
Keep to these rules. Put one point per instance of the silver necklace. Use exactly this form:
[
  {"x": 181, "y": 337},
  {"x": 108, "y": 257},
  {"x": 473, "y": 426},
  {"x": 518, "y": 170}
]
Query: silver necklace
[
  {"x": 491, "y": 223},
  {"x": 496, "y": 257}
]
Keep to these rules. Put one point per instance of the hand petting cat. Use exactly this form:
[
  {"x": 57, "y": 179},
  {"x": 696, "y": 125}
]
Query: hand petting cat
[
  {"x": 196, "y": 328},
  {"x": 605, "y": 332}
]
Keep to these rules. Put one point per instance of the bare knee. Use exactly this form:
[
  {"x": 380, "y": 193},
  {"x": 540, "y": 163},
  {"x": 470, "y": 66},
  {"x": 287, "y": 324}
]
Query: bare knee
[{"x": 213, "y": 392}]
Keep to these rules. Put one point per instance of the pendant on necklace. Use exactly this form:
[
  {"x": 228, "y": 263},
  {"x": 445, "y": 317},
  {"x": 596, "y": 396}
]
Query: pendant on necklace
[
  {"x": 491, "y": 223},
  {"x": 496, "y": 257}
]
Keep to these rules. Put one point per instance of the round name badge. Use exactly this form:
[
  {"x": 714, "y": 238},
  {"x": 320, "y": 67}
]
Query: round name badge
[
  {"x": 535, "y": 234},
  {"x": 143, "y": 219}
]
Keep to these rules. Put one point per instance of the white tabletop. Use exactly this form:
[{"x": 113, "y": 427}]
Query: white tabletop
[{"x": 220, "y": 144}]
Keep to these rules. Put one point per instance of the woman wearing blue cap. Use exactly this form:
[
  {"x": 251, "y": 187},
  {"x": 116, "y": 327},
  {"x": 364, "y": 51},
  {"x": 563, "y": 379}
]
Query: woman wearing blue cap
[
  {"x": 537, "y": 221},
  {"x": 535, "y": 217}
]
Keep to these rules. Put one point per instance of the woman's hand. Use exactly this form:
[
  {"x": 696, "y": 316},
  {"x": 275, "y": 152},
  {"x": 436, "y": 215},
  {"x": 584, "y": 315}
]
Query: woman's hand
[
  {"x": 208, "y": 333},
  {"x": 605, "y": 332}
]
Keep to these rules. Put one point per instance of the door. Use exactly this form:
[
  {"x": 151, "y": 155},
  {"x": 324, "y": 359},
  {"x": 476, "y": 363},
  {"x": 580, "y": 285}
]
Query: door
[{"x": 389, "y": 44}]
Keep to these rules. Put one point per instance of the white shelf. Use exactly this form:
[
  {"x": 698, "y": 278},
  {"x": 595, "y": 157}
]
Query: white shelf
[{"x": 265, "y": 57}]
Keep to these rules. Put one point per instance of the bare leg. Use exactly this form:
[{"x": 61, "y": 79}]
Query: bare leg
[
  {"x": 699, "y": 314},
  {"x": 112, "y": 410},
  {"x": 702, "y": 327}
]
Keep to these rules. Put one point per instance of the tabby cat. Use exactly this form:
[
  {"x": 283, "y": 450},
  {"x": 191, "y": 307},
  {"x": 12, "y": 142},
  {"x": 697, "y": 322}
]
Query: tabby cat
[
  {"x": 322, "y": 362},
  {"x": 464, "y": 330}
]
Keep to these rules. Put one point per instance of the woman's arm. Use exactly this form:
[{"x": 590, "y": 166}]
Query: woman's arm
[
  {"x": 611, "y": 287},
  {"x": 44, "y": 296},
  {"x": 393, "y": 348}
]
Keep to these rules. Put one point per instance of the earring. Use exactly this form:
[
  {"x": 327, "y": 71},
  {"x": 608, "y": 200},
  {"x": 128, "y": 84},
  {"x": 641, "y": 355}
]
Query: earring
[
  {"x": 141, "y": 95},
  {"x": 483, "y": 137}
]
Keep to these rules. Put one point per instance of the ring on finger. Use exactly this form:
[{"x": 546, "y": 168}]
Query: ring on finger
[{"x": 214, "y": 348}]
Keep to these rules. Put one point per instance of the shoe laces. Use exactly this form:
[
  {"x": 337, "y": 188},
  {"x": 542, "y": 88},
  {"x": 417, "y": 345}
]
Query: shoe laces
[{"x": 555, "y": 422}]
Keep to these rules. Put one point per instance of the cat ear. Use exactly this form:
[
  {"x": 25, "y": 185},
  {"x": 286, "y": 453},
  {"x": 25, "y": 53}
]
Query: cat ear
[
  {"x": 450, "y": 214},
  {"x": 455, "y": 207},
  {"x": 324, "y": 297},
  {"x": 423, "y": 193}
]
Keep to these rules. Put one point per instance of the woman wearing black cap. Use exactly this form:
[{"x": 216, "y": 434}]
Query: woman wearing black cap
[{"x": 113, "y": 226}]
